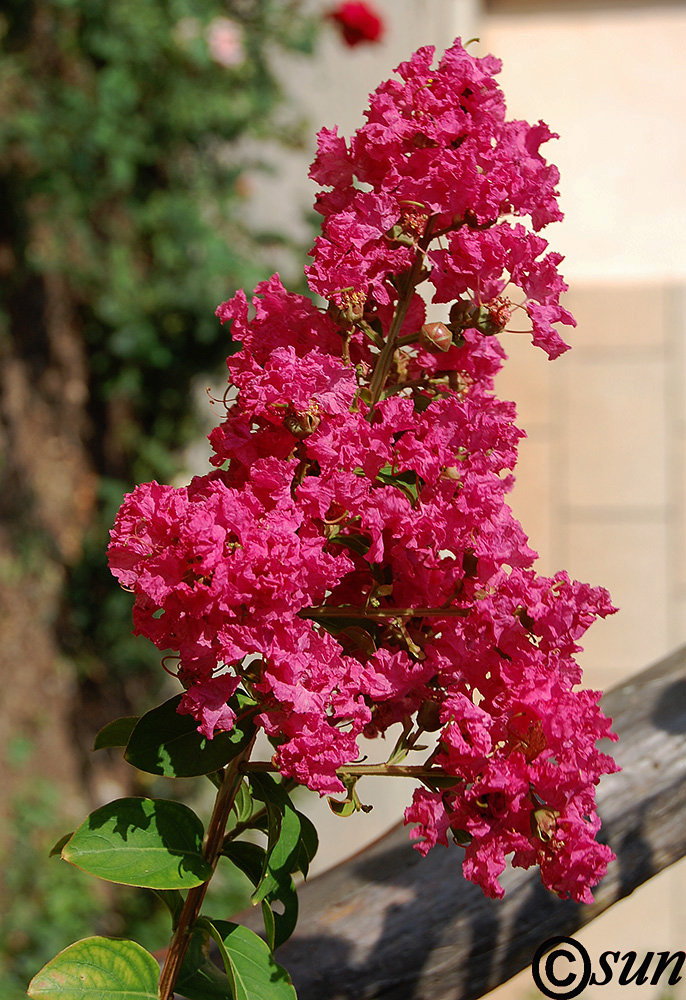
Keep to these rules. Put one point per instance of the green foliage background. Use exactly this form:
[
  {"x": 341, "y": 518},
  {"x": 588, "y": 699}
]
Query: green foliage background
[
  {"x": 114, "y": 172},
  {"x": 122, "y": 179}
]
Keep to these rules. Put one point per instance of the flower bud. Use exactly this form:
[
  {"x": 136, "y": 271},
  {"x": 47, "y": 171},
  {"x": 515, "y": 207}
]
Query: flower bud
[
  {"x": 500, "y": 311},
  {"x": 429, "y": 716},
  {"x": 493, "y": 317},
  {"x": 463, "y": 314},
  {"x": 436, "y": 335},
  {"x": 451, "y": 472},
  {"x": 485, "y": 323}
]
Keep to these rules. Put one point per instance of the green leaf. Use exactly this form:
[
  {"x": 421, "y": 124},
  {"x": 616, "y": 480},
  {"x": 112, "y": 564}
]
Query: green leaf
[
  {"x": 358, "y": 638},
  {"x": 422, "y": 403},
  {"x": 98, "y": 968},
  {"x": 173, "y": 900},
  {"x": 116, "y": 733},
  {"x": 280, "y": 926},
  {"x": 284, "y": 855},
  {"x": 249, "y": 858},
  {"x": 408, "y": 482},
  {"x": 269, "y": 918},
  {"x": 153, "y": 843},
  {"x": 358, "y": 543},
  {"x": 342, "y": 627},
  {"x": 283, "y": 845},
  {"x": 252, "y": 860},
  {"x": 216, "y": 778},
  {"x": 404, "y": 743},
  {"x": 250, "y": 966},
  {"x": 57, "y": 849},
  {"x": 441, "y": 781},
  {"x": 200, "y": 979},
  {"x": 164, "y": 742},
  {"x": 309, "y": 844},
  {"x": 243, "y": 804}
]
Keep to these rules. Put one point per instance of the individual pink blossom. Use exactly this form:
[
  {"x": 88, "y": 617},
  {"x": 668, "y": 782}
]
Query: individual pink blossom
[
  {"x": 207, "y": 701},
  {"x": 430, "y": 818}
]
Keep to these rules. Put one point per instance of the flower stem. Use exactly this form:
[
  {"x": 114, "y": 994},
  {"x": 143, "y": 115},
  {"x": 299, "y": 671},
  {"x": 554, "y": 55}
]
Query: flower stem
[
  {"x": 233, "y": 775},
  {"x": 385, "y": 358},
  {"x": 359, "y": 770},
  {"x": 324, "y": 611}
]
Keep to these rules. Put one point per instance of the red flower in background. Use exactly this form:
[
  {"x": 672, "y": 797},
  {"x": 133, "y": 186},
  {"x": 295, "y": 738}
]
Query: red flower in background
[{"x": 357, "y": 23}]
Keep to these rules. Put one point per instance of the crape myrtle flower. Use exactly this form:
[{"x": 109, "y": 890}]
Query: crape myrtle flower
[
  {"x": 357, "y": 23},
  {"x": 350, "y": 562}
]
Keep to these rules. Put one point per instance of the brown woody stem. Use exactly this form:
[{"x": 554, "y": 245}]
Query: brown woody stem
[
  {"x": 382, "y": 614},
  {"x": 359, "y": 770},
  {"x": 385, "y": 358},
  {"x": 226, "y": 796}
]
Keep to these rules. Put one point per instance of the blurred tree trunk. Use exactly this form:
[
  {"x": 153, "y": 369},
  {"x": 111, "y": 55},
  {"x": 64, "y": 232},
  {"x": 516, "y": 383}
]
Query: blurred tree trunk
[{"x": 45, "y": 507}]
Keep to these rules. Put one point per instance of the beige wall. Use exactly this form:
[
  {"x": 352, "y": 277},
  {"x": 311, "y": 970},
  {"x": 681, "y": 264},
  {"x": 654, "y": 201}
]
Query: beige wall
[
  {"x": 601, "y": 484},
  {"x": 333, "y": 90},
  {"x": 612, "y": 84}
]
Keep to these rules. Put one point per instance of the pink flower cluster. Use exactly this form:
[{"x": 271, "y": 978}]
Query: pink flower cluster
[{"x": 351, "y": 563}]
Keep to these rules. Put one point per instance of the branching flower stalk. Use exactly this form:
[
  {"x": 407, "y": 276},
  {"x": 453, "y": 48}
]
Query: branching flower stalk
[
  {"x": 352, "y": 560},
  {"x": 410, "y": 283}
]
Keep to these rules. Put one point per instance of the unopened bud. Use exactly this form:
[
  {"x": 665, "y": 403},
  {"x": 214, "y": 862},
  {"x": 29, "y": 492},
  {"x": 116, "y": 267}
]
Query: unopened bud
[
  {"x": 429, "y": 716},
  {"x": 451, "y": 472},
  {"x": 463, "y": 314},
  {"x": 436, "y": 335},
  {"x": 471, "y": 219}
]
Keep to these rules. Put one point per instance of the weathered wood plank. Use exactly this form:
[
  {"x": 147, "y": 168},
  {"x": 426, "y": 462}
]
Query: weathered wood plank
[{"x": 389, "y": 924}]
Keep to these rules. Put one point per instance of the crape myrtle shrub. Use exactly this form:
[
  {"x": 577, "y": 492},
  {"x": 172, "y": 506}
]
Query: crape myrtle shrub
[{"x": 350, "y": 563}]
